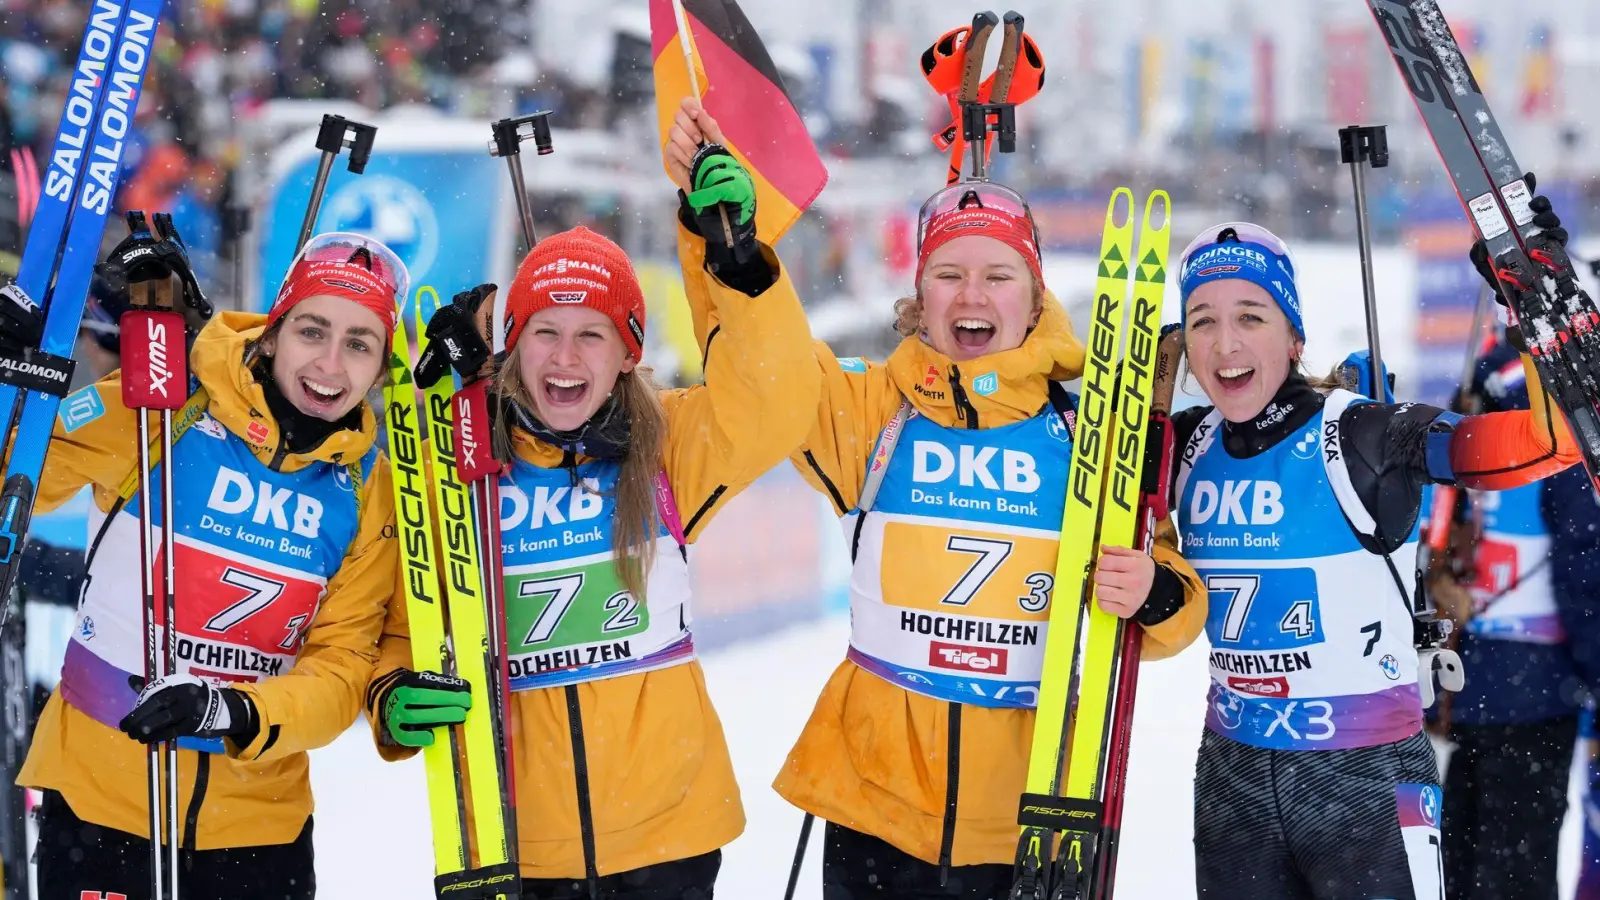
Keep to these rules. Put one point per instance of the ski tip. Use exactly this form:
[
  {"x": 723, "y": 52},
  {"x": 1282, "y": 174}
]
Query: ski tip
[
  {"x": 1158, "y": 198},
  {"x": 985, "y": 20},
  {"x": 1119, "y": 212},
  {"x": 1013, "y": 19}
]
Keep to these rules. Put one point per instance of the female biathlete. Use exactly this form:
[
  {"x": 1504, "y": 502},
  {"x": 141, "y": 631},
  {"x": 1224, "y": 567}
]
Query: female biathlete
[
  {"x": 285, "y": 564},
  {"x": 624, "y": 785},
  {"x": 1298, "y": 506},
  {"x": 917, "y": 751}
]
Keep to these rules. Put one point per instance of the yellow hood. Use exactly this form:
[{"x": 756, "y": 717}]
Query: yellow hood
[{"x": 1021, "y": 376}]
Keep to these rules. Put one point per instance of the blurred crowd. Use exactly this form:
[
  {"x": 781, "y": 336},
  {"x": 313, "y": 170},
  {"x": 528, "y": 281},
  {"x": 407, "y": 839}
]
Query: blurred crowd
[{"x": 217, "y": 62}]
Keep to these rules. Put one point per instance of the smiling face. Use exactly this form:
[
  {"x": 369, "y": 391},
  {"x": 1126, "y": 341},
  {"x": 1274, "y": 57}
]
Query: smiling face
[
  {"x": 327, "y": 354},
  {"x": 568, "y": 358},
  {"x": 1240, "y": 346},
  {"x": 977, "y": 298}
]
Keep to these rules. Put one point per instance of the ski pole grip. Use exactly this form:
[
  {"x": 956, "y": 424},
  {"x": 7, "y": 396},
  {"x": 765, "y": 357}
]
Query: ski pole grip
[
  {"x": 155, "y": 371},
  {"x": 1364, "y": 143},
  {"x": 471, "y": 425},
  {"x": 331, "y": 138},
  {"x": 510, "y": 133}
]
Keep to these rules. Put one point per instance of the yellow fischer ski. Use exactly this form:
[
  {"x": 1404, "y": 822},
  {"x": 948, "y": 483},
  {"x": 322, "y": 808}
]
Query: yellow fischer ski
[
  {"x": 1083, "y": 649},
  {"x": 419, "y": 576},
  {"x": 495, "y": 876}
]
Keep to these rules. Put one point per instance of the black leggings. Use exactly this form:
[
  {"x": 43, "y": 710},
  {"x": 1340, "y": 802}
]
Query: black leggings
[
  {"x": 77, "y": 859},
  {"x": 1349, "y": 824},
  {"x": 858, "y": 866}
]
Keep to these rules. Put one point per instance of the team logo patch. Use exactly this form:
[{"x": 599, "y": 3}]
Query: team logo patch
[
  {"x": 637, "y": 329},
  {"x": 853, "y": 364},
  {"x": 257, "y": 432},
  {"x": 984, "y": 385},
  {"x": 80, "y": 408},
  {"x": 568, "y": 296},
  {"x": 86, "y": 630},
  {"x": 930, "y": 377}
]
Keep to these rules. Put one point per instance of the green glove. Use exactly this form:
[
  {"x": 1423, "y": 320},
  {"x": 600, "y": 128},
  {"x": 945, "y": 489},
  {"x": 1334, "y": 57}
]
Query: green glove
[
  {"x": 719, "y": 178},
  {"x": 413, "y": 704},
  {"x": 722, "y": 209}
]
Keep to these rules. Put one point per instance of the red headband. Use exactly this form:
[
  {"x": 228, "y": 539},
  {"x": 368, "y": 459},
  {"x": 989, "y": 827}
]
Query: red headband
[
  {"x": 1014, "y": 231},
  {"x": 347, "y": 279}
]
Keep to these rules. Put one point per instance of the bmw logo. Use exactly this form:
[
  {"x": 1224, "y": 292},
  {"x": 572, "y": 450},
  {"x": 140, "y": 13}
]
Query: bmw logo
[
  {"x": 1390, "y": 667},
  {"x": 1428, "y": 804},
  {"x": 1056, "y": 428},
  {"x": 394, "y": 212},
  {"x": 1306, "y": 447},
  {"x": 1230, "y": 709}
]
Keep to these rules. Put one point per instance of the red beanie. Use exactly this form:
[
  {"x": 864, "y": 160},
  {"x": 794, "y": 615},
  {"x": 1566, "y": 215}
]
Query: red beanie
[
  {"x": 1008, "y": 228},
  {"x": 580, "y": 268},
  {"x": 336, "y": 265}
]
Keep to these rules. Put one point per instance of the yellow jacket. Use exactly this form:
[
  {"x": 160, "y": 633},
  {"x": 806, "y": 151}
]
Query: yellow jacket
[
  {"x": 873, "y": 756},
  {"x": 662, "y": 784},
  {"x": 257, "y": 794}
]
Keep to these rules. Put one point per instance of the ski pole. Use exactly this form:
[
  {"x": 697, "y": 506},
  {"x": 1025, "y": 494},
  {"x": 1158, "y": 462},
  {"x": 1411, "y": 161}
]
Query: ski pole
[
  {"x": 335, "y": 134},
  {"x": 686, "y": 41},
  {"x": 1360, "y": 144},
  {"x": 507, "y": 143},
  {"x": 236, "y": 224},
  {"x": 155, "y": 379},
  {"x": 799, "y": 855}
]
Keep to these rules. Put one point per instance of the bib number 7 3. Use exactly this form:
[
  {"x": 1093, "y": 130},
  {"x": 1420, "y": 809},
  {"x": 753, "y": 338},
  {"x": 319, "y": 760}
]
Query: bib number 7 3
[{"x": 990, "y": 554}]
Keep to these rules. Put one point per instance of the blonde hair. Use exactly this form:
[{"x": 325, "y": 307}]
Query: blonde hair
[
  {"x": 908, "y": 310},
  {"x": 636, "y": 521}
]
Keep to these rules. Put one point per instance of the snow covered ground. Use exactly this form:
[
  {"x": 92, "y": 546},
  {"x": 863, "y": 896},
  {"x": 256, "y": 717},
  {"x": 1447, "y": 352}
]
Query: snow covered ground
[{"x": 372, "y": 833}]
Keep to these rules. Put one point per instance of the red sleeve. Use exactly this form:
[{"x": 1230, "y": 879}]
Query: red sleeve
[{"x": 1504, "y": 450}]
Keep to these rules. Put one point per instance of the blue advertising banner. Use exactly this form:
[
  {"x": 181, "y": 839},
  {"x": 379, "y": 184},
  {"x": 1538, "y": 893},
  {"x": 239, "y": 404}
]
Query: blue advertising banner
[{"x": 440, "y": 203}]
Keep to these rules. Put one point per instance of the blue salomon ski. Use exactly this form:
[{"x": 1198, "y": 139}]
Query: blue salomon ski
[{"x": 63, "y": 245}]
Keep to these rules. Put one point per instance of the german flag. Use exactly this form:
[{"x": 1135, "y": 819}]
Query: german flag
[{"x": 740, "y": 87}]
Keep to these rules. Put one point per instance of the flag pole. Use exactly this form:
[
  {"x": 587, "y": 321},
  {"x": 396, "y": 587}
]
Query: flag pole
[{"x": 684, "y": 42}]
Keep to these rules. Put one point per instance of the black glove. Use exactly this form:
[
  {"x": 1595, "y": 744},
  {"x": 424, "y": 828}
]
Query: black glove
[
  {"x": 412, "y": 704},
  {"x": 456, "y": 337},
  {"x": 21, "y": 321},
  {"x": 1550, "y": 243},
  {"x": 150, "y": 258},
  {"x": 188, "y": 706}
]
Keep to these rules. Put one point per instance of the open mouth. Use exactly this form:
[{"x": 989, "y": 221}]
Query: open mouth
[
  {"x": 321, "y": 398},
  {"x": 972, "y": 335},
  {"x": 561, "y": 391},
  {"x": 1235, "y": 378}
]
